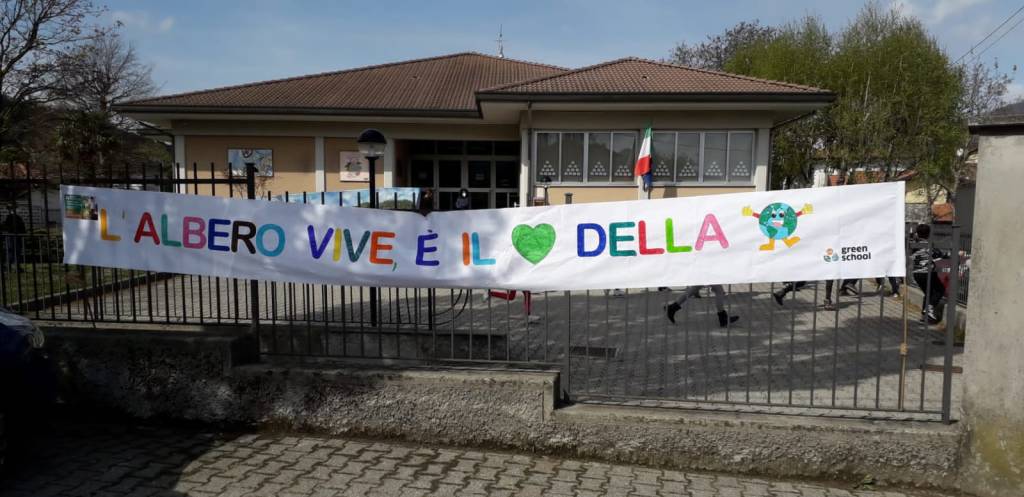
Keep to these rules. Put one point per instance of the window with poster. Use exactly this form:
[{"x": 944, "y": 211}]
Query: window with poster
[
  {"x": 354, "y": 166},
  {"x": 260, "y": 158},
  {"x": 606, "y": 158}
]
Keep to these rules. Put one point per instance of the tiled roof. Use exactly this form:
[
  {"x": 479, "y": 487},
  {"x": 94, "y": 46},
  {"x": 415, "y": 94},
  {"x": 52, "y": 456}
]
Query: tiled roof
[
  {"x": 452, "y": 85},
  {"x": 445, "y": 83},
  {"x": 640, "y": 76}
]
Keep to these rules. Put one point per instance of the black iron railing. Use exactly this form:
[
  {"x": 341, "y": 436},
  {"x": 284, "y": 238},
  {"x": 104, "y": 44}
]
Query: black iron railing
[{"x": 852, "y": 348}]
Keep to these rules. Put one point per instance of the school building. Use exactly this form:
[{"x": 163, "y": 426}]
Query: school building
[{"x": 506, "y": 130}]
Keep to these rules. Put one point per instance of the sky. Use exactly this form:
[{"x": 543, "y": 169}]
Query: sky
[{"x": 200, "y": 44}]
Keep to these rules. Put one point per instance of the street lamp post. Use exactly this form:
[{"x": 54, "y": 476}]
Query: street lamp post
[{"x": 372, "y": 144}]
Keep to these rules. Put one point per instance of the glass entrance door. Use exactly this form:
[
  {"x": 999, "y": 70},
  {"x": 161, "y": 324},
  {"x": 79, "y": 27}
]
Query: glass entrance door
[{"x": 492, "y": 180}]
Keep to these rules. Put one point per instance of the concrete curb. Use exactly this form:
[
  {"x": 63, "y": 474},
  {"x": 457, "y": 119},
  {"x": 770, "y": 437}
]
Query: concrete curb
[{"x": 193, "y": 376}]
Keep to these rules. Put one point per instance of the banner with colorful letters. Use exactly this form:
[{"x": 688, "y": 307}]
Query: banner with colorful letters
[{"x": 792, "y": 235}]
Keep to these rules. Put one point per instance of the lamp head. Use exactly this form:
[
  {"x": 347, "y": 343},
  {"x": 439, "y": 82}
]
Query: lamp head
[{"x": 372, "y": 143}]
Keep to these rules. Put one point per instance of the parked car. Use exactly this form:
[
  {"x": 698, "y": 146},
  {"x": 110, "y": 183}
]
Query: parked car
[{"x": 27, "y": 382}]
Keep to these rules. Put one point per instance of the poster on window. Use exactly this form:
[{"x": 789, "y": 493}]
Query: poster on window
[
  {"x": 354, "y": 167},
  {"x": 261, "y": 158}
]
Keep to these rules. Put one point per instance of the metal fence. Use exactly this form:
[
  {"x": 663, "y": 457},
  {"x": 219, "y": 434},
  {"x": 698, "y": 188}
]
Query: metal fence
[{"x": 848, "y": 349}]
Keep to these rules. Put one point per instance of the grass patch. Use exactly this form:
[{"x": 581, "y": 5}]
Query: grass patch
[{"x": 28, "y": 282}]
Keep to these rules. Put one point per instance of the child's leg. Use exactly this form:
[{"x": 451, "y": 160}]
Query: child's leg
[
  {"x": 688, "y": 292},
  {"x": 719, "y": 297}
]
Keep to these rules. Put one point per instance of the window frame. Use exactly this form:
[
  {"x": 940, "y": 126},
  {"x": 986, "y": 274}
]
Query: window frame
[
  {"x": 586, "y": 156},
  {"x": 556, "y": 181}
]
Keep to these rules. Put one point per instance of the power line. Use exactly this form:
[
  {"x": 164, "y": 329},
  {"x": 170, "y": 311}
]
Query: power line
[
  {"x": 990, "y": 45},
  {"x": 989, "y": 35}
]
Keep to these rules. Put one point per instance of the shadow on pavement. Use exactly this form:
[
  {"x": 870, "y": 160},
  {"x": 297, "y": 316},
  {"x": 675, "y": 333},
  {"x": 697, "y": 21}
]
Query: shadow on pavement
[{"x": 94, "y": 458}]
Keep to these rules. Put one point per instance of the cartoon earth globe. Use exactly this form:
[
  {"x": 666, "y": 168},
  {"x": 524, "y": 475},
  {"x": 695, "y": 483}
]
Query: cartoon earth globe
[{"x": 777, "y": 221}]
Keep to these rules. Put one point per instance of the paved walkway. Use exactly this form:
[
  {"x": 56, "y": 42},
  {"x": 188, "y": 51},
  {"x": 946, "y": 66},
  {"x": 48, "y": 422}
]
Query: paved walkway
[{"x": 107, "y": 460}]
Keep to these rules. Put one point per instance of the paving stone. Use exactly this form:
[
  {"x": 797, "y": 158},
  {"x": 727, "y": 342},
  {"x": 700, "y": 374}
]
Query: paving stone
[{"x": 87, "y": 461}]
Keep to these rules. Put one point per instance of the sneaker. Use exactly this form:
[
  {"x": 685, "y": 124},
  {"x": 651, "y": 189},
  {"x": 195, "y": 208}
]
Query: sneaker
[
  {"x": 664, "y": 289},
  {"x": 828, "y": 306},
  {"x": 533, "y": 318},
  {"x": 724, "y": 319},
  {"x": 671, "y": 311},
  {"x": 779, "y": 299}
]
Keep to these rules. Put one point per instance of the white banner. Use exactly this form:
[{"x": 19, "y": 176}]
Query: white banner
[{"x": 792, "y": 235}]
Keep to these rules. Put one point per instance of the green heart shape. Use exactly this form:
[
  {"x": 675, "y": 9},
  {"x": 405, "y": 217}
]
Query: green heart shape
[{"x": 533, "y": 243}]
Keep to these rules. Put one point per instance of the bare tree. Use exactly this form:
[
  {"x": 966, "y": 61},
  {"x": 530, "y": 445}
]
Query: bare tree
[
  {"x": 104, "y": 71},
  {"x": 719, "y": 49},
  {"x": 34, "y": 34},
  {"x": 983, "y": 88}
]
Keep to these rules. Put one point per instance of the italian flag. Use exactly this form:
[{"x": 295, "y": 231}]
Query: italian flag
[{"x": 643, "y": 161}]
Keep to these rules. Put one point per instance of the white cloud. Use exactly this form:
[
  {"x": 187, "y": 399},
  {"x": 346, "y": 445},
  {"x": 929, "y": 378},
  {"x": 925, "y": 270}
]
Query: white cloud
[
  {"x": 165, "y": 25},
  {"x": 1014, "y": 92},
  {"x": 934, "y": 12},
  {"x": 141, "y": 21}
]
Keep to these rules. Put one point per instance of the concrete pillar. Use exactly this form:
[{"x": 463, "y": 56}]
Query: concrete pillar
[
  {"x": 993, "y": 398},
  {"x": 762, "y": 154},
  {"x": 318, "y": 163},
  {"x": 525, "y": 195},
  {"x": 387, "y": 165},
  {"x": 179, "y": 160}
]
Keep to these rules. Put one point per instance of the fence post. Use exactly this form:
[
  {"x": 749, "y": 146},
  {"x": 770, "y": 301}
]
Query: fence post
[
  {"x": 254, "y": 292},
  {"x": 951, "y": 303},
  {"x": 567, "y": 368}
]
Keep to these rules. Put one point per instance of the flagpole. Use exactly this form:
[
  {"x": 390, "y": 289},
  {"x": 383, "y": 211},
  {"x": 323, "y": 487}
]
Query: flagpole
[{"x": 642, "y": 170}]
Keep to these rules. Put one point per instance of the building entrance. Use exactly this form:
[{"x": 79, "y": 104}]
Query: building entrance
[{"x": 488, "y": 170}]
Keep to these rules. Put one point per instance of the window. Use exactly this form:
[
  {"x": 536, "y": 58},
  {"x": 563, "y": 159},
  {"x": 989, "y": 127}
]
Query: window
[
  {"x": 478, "y": 148},
  {"x": 663, "y": 146},
  {"x": 506, "y": 174},
  {"x": 603, "y": 157},
  {"x": 548, "y": 145},
  {"x": 479, "y": 174},
  {"x": 715, "y": 148},
  {"x": 623, "y": 156},
  {"x": 687, "y": 156},
  {"x": 449, "y": 148},
  {"x": 741, "y": 156},
  {"x": 572, "y": 157},
  {"x": 599, "y": 152},
  {"x": 423, "y": 173},
  {"x": 449, "y": 173},
  {"x": 506, "y": 148}
]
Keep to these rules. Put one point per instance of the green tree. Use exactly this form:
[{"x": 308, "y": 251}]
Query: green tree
[
  {"x": 898, "y": 97},
  {"x": 800, "y": 52}
]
